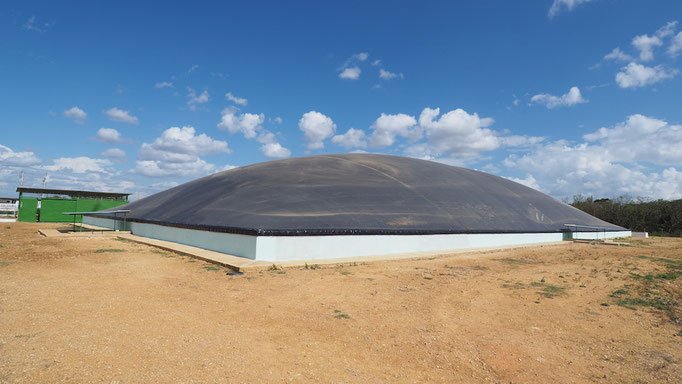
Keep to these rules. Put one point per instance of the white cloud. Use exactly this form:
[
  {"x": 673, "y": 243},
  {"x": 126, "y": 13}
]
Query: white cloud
[
  {"x": 247, "y": 123},
  {"x": 618, "y": 55},
  {"x": 353, "y": 138},
  {"x": 275, "y": 150},
  {"x": 164, "y": 84},
  {"x": 376, "y": 63},
  {"x": 386, "y": 75},
  {"x": 675, "y": 45},
  {"x": 387, "y": 127},
  {"x": 529, "y": 181},
  {"x": 350, "y": 69},
  {"x": 183, "y": 140},
  {"x": 667, "y": 30},
  {"x": 108, "y": 135},
  {"x": 610, "y": 162},
  {"x": 568, "y": 5},
  {"x": 20, "y": 159},
  {"x": 32, "y": 25},
  {"x": 316, "y": 128},
  {"x": 351, "y": 73},
  {"x": 80, "y": 164},
  {"x": 457, "y": 133},
  {"x": 277, "y": 120},
  {"x": 646, "y": 44},
  {"x": 237, "y": 100},
  {"x": 194, "y": 100},
  {"x": 193, "y": 68},
  {"x": 114, "y": 154},
  {"x": 520, "y": 140},
  {"x": 641, "y": 139},
  {"x": 77, "y": 114},
  {"x": 193, "y": 168},
  {"x": 637, "y": 75},
  {"x": 572, "y": 97},
  {"x": 176, "y": 153},
  {"x": 121, "y": 116}
]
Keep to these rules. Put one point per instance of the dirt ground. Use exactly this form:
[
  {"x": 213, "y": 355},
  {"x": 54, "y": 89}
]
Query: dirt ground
[{"x": 111, "y": 311}]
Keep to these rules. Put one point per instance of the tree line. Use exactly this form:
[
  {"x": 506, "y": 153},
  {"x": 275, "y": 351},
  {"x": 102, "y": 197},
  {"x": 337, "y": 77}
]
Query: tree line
[{"x": 658, "y": 217}]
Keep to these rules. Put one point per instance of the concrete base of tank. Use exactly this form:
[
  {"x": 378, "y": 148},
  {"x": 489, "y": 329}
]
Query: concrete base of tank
[{"x": 287, "y": 248}]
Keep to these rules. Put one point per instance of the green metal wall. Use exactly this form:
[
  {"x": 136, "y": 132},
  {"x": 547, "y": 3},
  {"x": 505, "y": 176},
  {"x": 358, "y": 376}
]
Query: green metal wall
[
  {"x": 51, "y": 209},
  {"x": 28, "y": 208}
]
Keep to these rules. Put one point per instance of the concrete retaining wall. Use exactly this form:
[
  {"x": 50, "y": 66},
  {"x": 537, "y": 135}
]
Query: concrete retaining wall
[{"x": 283, "y": 248}]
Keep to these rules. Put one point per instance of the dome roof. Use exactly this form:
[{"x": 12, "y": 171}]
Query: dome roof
[{"x": 357, "y": 194}]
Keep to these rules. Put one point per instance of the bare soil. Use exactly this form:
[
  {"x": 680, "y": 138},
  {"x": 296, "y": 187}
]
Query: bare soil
[{"x": 110, "y": 311}]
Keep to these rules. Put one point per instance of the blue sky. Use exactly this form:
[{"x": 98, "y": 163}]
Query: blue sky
[{"x": 566, "y": 96}]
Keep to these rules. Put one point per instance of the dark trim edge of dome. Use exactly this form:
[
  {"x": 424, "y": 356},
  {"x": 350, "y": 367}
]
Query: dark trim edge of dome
[{"x": 338, "y": 231}]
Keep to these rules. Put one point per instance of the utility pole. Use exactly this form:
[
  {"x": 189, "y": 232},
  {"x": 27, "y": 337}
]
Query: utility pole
[{"x": 21, "y": 179}]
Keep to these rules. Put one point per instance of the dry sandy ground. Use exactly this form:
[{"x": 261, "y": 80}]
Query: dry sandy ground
[{"x": 109, "y": 311}]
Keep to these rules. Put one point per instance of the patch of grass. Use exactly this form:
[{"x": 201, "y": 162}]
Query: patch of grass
[
  {"x": 340, "y": 315},
  {"x": 274, "y": 267},
  {"x": 479, "y": 268},
  {"x": 4, "y": 263},
  {"x": 109, "y": 250},
  {"x": 619, "y": 293},
  {"x": 670, "y": 275},
  {"x": 548, "y": 290},
  {"x": 632, "y": 302},
  {"x": 345, "y": 273},
  {"x": 516, "y": 285},
  {"x": 211, "y": 268},
  {"x": 313, "y": 266},
  {"x": 648, "y": 277},
  {"x": 513, "y": 261}
]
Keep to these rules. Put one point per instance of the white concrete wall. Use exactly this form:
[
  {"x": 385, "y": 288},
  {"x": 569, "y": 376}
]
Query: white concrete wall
[
  {"x": 283, "y": 248},
  {"x": 600, "y": 235}
]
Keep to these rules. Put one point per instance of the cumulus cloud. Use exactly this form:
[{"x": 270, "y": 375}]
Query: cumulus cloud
[
  {"x": 636, "y": 75},
  {"x": 237, "y": 100},
  {"x": 316, "y": 128},
  {"x": 572, "y": 97},
  {"x": 386, "y": 75},
  {"x": 610, "y": 161},
  {"x": 108, "y": 135},
  {"x": 176, "y": 153},
  {"x": 114, "y": 154},
  {"x": 387, "y": 127},
  {"x": 76, "y": 114},
  {"x": 561, "y": 5},
  {"x": 247, "y": 123},
  {"x": 80, "y": 164},
  {"x": 675, "y": 45},
  {"x": 121, "y": 116},
  {"x": 351, "y": 69},
  {"x": 618, "y": 55},
  {"x": 646, "y": 44},
  {"x": 641, "y": 139},
  {"x": 19, "y": 159},
  {"x": 184, "y": 141},
  {"x": 351, "y": 73},
  {"x": 457, "y": 133},
  {"x": 192, "y": 168},
  {"x": 250, "y": 125},
  {"x": 194, "y": 101},
  {"x": 353, "y": 138},
  {"x": 164, "y": 84},
  {"x": 529, "y": 181},
  {"x": 275, "y": 150}
]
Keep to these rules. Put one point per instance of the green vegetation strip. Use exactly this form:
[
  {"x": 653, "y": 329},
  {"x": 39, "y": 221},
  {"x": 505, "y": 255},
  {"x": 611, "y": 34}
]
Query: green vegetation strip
[{"x": 109, "y": 250}]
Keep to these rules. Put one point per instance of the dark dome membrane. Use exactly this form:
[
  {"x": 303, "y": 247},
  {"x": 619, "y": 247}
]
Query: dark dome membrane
[{"x": 357, "y": 194}]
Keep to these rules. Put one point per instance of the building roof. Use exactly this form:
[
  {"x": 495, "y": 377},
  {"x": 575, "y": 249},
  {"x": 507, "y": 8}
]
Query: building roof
[
  {"x": 71, "y": 192},
  {"x": 357, "y": 194}
]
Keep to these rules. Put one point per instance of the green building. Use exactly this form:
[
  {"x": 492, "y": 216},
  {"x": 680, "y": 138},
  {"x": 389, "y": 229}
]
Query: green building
[{"x": 47, "y": 205}]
